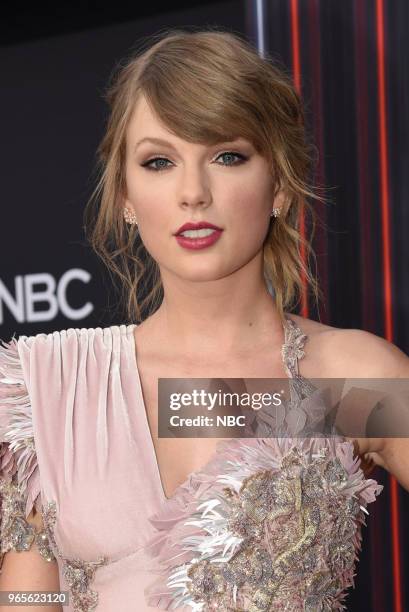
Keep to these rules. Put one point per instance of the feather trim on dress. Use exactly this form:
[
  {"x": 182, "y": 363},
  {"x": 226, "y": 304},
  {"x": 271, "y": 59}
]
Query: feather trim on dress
[
  {"x": 268, "y": 524},
  {"x": 18, "y": 461}
]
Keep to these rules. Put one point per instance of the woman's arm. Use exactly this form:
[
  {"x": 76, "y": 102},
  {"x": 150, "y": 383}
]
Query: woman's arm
[
  {"x": 370, "y": 356},
  {"x": 28, "y": 571}
]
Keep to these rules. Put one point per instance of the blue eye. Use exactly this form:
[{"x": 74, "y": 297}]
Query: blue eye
[
  {"x": 149, "y": 164},
  {"x": 242, "y": 158}
]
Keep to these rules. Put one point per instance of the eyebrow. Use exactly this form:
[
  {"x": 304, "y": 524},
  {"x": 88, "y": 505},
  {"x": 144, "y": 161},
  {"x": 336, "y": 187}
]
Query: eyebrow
[
  {"x": 162, "y": 142},
  {"x": 158, "y": 141}
]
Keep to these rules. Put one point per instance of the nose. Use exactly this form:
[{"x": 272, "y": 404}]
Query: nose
[{"x": 195, "y": 190}]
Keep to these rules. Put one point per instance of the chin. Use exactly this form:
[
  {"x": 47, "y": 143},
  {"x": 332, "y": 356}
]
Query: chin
[{"x": 204, "y": 274}]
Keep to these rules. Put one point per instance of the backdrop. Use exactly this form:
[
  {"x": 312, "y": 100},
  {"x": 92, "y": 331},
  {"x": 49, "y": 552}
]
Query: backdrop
[{"x": 349, "y": 62}]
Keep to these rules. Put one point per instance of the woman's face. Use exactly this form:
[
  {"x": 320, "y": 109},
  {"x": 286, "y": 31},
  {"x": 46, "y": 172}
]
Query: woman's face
[{"x": 228, "y": 185}]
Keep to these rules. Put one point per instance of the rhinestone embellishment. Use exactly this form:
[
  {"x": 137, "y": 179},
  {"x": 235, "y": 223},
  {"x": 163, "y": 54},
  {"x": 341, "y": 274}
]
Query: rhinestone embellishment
[
  {"x": 293, "y": 348},
  {"x": 294, "y": 529},
  {"x": 16, "y": 533}
]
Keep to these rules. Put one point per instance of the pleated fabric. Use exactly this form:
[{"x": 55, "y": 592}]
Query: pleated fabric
[{"x": 73, "y": 431}]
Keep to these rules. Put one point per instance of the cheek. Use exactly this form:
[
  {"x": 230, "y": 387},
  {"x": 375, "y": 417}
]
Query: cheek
[
  {"x": 255, "y": 193},
  {"x": 145, "y": 200},
  {"x": 152, "y": 211},
  {"x": 252, "y": 205}
]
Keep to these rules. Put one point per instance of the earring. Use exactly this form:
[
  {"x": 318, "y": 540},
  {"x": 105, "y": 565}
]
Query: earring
[
  {"x": 129, "y": 216},
  {"x": 276, "y": 212}
]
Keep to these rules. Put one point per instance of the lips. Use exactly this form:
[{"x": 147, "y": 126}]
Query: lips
[
  {"x": 196, "y": 226},
  {"x": 198, "y": 243}
]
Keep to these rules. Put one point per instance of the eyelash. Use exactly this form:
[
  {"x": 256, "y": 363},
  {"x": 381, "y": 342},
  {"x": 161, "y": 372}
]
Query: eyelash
[{"x": 242, "y": 159}]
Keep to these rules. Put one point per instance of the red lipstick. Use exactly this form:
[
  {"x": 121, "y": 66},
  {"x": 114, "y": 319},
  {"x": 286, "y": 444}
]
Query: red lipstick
[
  {"x": 194, "y": 226},
  {"x": 198, "y": 242}
]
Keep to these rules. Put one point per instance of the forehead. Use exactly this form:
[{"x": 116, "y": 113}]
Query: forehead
[
  {"x": 144, "y": 122},
  {"x": 145, "y": 127}
]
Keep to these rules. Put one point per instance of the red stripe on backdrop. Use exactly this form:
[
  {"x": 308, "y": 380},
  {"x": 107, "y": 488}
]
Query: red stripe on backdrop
[
  {"x": 387, "y": 272},
  {"x": 296, "y": 67},
  {"x": 383, "y": 153}
]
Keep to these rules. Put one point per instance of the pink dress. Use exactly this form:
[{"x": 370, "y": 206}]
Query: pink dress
[{"x": 267, "y": 524}]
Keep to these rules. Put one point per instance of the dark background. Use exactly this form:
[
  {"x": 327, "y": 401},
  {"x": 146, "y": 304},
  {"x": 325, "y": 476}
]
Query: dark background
[{"x": 346, "y": 58}]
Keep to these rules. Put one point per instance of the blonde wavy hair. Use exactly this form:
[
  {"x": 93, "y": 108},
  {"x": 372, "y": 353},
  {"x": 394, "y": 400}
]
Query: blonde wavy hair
[{"x": 207, "y": 86}]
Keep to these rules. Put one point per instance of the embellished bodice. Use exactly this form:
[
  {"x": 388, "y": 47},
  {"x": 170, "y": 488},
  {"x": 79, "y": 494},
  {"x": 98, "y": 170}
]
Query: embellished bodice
[{"x": 270, "y": 523}]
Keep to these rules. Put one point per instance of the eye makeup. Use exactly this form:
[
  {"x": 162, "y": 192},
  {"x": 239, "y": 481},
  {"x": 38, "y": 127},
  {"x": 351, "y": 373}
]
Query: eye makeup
[{"x": 241, "y": 159}]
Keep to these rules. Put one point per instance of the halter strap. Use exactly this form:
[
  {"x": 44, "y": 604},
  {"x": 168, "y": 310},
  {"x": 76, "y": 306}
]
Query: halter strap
[{"x": 292, "y": 349}]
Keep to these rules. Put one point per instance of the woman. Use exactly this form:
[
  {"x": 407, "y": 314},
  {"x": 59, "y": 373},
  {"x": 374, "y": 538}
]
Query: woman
[{"x": 201, "y": 131}]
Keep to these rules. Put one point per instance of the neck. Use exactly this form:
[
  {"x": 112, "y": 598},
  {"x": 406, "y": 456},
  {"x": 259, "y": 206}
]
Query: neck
[{"x": 224, "y": 324}]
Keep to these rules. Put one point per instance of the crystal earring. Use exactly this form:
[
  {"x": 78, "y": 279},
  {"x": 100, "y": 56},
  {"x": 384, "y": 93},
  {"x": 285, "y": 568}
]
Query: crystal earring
[
  {"x": 276, "y": 212},
  {"x": 130, "y": 216}
]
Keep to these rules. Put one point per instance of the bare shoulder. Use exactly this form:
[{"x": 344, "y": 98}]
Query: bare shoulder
[
  {"x": 309, "y": 326},
  {"x": 351, "y": 353}
]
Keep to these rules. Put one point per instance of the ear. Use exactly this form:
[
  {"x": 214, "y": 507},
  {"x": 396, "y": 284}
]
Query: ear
[
  {"x": 128, "y": 211},
  {"x": 126, "y": 204},
  {"x": 281, "y": 200}
]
